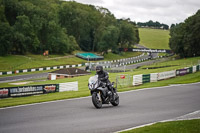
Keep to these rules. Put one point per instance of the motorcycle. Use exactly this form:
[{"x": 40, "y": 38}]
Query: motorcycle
[{"x": 101, "y": 94}]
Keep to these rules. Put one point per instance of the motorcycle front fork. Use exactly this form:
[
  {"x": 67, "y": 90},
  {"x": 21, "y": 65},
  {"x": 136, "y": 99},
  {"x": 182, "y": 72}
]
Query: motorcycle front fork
[{"x": 99, "y": 96}]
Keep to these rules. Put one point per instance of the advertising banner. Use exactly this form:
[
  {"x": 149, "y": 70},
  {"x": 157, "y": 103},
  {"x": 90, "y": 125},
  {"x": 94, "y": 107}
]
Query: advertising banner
[
  {"x": 181, "y": 72},
  {"x": 197, "y": 67},
  {"x": 145, "y": 50},
  {"x": 25, "y": 90},
  {"x": 51, "y": 88},
  {"x": 146, "y": 78},
  {"x": 3, "y": 93},
  {"x": 189, "y": 69},
  {"x": 32, "y": 90}
]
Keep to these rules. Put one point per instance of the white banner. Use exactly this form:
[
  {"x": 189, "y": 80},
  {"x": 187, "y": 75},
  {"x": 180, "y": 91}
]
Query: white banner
[
  {"x": 166, "y": 75},
  {"x": 194, "y": 69},
  {"x": 137, "y": 79},
  {"x": 154, "y": 77},
  {"x": 69, "y": 86}
]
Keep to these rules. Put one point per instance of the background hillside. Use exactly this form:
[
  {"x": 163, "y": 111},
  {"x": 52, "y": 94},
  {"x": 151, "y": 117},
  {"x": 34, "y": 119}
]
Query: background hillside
[{"x": 154, "y": 38}]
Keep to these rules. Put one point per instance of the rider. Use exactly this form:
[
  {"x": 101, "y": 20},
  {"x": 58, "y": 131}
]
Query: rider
[{"x": 103, "y": 77}]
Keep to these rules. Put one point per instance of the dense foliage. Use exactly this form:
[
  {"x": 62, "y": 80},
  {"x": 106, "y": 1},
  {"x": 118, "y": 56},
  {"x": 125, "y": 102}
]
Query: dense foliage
[
  {"x": 61, "y": 27},
  {"x": 152, "y": 24},
  {"x": 185, "y": 37}
]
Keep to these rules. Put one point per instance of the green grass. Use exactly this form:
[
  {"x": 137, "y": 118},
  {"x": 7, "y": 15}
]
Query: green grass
[
  {"x": 17, "y": 62},
  {"x": 154, "y": 38},
  {"x": 111, "y": 56},
  {"x": 184, "y": 126},
  {"x": 176, "y": 64}
]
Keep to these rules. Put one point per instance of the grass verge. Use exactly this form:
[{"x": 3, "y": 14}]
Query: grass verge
[
  {"x": 184, "y": 126},
  {"x": 17, "y": 62}
]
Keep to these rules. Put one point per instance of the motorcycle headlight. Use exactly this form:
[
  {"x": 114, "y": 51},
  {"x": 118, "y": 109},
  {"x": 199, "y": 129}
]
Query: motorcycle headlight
[
  {"x": 93, "y": 86},
  {"x": 90, "y": 87}
]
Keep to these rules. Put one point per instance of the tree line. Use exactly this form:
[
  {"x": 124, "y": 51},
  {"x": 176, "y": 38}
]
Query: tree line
[
  {"x": 185, "y": 37},
  {"x": 32, "y": 26},
  {"x": 152, "y": 24}
]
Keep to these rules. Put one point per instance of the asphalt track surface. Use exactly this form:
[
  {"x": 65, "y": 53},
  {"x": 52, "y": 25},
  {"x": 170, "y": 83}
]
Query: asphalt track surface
[
  {"x": 136, "y": 108},
  {"x": 22, "y": 77}
]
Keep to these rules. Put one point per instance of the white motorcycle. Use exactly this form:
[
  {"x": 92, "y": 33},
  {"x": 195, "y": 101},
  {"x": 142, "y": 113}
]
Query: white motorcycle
[{"x": 101, "y": 94}]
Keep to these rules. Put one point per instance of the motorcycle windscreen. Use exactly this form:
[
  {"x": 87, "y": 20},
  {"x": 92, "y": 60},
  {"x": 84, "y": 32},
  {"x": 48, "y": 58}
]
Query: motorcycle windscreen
[
  {"x": 93, "y": 79},
  {"x": 93, "y": 82}
]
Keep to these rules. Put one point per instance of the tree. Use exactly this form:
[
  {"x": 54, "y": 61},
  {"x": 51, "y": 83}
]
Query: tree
[
  {"x": 58, "y": 40},
  {"x": 61, "y": 27},
  {"x": 152, "y": 24},
  {"x": 24, "y": 38},
  {"x": 185, "y": 37},
  {"x": 6, "y": 37},
  {"x": 127, "y": 36},
  {"x": 109, "y": 39},
  {"x": 172, "y": 26}
]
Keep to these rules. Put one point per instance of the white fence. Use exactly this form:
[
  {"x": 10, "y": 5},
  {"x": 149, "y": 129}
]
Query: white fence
[
  {"x": 70, "y": 86},
  {"x": 137, "y": 79},
  {"x": 194, "y": 69},
  {"x": 153, "y": 77},
  {"x": 166, "y": 75}
]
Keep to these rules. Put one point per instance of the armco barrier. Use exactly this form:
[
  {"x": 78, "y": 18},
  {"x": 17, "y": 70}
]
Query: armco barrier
[
  {"x": 146, "y": 78},
  {"x": 166, "y": 75},
  {"x": 137, "y": 79}
]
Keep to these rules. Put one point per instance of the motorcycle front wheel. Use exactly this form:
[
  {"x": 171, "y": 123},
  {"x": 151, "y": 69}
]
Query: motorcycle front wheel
[
  {"x": 96, "y": 100},
  {"x": 116, "y": 101}
]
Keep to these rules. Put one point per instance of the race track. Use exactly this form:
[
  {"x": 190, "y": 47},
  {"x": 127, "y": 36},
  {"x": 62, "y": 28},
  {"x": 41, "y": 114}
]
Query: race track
[{"x": 80, "y": 116}]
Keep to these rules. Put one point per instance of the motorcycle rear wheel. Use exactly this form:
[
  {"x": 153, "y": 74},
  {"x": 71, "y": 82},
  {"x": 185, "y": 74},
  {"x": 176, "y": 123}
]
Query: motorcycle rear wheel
[{"x": 96, "y": 100}]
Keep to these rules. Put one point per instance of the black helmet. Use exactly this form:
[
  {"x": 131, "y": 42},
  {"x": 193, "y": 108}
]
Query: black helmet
[{"x": 99, "y": 69}]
